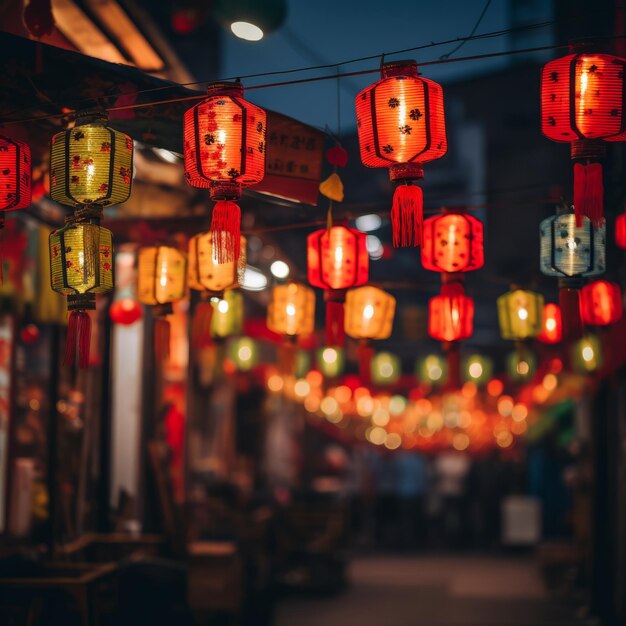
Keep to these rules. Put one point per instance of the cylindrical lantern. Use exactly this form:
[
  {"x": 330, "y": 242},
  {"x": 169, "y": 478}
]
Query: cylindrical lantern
[
  {"x": 224, "y": 146},
  {"x": 91, "y": 164},
  {"x": 477, "y": 369},
  {"x": 15, "y": 175},
  {"x": 401, "y": 126},
  {"x": 227, "y": 317},
  {"x": 81, "y": 266},
  {"x": 161, "y": 278},
  {"x": 521, "y": 365},
  {"x": 520, "y": 314},
  {"x": 369, "y": 313},
  {"x": 243, "y": 352},
  {"x": 586, "y": 354},
  {"x": 386, "y": 369},
  {"x": 331, "y": 361},
  {"x": 432, "y": 369},
  {"x": 620, "y": 231},
  {"x": 291, "y": 310},
  {"x": 453, "y": 242},
  {"x": 337, "y": 259},
  {"x": 582, "y": 102},
  {"x": 551, "y": 325},
  {"x": 601, "y": 303},
  {"x": 451, "y": 314}
]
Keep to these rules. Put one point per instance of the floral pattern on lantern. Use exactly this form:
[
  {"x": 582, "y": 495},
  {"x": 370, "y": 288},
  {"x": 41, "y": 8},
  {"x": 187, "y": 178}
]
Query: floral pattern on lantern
[
  {"x": 451, "y": 314},
  {"x": 386, "y": 369},
  {"x": 453, "y": 242},
  {"x": 244, "y": 353},
  {"x": 224, "y": 148},
  {"x": 477, "y": 369},
  {"x": 227, "y": 317},
  {"x": 15, "y": 174},
  {"x": 331, "y": 361},
  {"x": 161, "y": 275},
  {"x": 586, "y": 355},
  {"x": 601, "y": 303},
  {"x": 291, "y": 310},
  {"x": 91, "y": 164},
  {"x": 432, "y": 369},
  {"x": 369, "y": 313},
  {"x": 520, "y": 314},
  {"x": 551, "y": 324},
  {"x": 521, "y": 365},
  {"x": 401, "y": 126}
]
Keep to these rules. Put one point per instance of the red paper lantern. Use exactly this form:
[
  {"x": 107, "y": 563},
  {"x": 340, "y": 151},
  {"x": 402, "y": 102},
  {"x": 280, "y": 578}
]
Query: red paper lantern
[
  {"x": 401, "y": 126},
  {"x": 15, "y": 175},
  {"x": 620, "y": 231},
  {"x": 337, "y": 259},
  {"x": 551, "y": 324},
  {"x": 582, "y": 102},
  {"x": 451, "y": 314},
  {"x": 601, "y": 303},
  {"x": 224, "y": 145},
  {"x": 125, "y": 311},
  {"x": 453, "y": 242}
]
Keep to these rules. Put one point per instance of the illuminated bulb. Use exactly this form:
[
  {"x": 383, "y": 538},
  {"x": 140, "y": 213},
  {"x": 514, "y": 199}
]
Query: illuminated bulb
[
  {"x": 386, "y": 370},
  {"x": 435, "y": 372},
  {"x": 550, "y": 324},
  {"x": 279, "y": 269},
  {"x": 247, "y": 31},
  {"x": 571, "y": 243},
  {"x": 329, "y": 355},
  {"x": 221, "y": 136},
  {"x": 245, "y": 353},
  {"x": 338, "y": 257},
  {"x": 222, "y": 306},
  {"x": 475, "y": 370},
  {"x": 291, "y": 310},
  {"x": 302, "y": 388},
  {"x": 523, "y": 368},
  {"x": 522, "y": 314},
  {"x": 368, "y": 312},
  {"x": 587, "y": 353}
]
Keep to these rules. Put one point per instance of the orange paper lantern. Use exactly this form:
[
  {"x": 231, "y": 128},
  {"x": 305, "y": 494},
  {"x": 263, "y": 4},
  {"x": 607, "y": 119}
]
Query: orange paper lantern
[
  {"x": 451, "y": 314},
  {"x": 401, "y": 126},
  {"x": 601, "y": 303}
]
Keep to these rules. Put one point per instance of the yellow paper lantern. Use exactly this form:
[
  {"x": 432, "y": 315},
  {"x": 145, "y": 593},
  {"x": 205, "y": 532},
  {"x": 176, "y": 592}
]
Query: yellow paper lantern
[
  {"x": 369, "y": 313},
  {"x": 227, "y": 315},
  {"x": 91, "y": 164},
  {"x": 161, "y": 275},
  {"x": 587, "y": 354},
  {"x": 520, "y": 314},
  {"x": 244, "y": 353},
  {"x": 205, "y": 273},
  {"x": 291, "y": 310}
]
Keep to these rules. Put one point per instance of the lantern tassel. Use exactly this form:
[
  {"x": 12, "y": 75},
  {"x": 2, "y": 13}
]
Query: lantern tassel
[
  {"x": 453, "y": 356},
  {"x": 161, "y": 339},
  {"x": 226, "y": 231},
  {"x": 364, "y": 354},
  {"x": 571, "y": 318},
  {"x": 78, "y": 339},
  {"x": 201, "y": 325},
  {"x": 588, "y": 193},
  {"x": 335, "y": 335},
  {"x": 407, "y": 216}
]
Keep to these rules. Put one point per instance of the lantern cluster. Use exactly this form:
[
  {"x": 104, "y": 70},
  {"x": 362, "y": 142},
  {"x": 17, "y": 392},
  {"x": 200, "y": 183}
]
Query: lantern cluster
[{"x": 401, "y": 126}]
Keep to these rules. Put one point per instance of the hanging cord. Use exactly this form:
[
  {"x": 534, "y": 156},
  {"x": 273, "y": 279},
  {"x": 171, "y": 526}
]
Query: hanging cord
[{"x": 470, "y": 36}]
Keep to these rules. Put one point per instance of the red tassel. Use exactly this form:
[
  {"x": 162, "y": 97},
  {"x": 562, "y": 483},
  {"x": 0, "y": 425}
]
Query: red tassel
[
  {"x": 335, "y": 335},
  {"x": 161, "y": 339},
  {"x": 588, "y": 193},
  {"x": 226, "y": 231},
  {"x": 201, "y": 325},
  {"x": 407, "y": 216},
  {"x": 571, "y": 318},
  {"x": 364, "y": 354},
  {"x": 453, "y": 355},
  {"x": 78, "y": 338}
]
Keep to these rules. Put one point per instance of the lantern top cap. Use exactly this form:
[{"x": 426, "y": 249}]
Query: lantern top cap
[
  {"x": 584, "y": 45},
  {"x": 398, "y": 68},
  {"x": 225, "y": 88},
  {"x": 91, "y": 116}
]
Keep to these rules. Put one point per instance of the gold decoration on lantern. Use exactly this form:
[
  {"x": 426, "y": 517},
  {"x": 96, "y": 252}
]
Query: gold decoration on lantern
[
  {"x": 369, "y": 313},
  {"x": 291, "y": 310}
]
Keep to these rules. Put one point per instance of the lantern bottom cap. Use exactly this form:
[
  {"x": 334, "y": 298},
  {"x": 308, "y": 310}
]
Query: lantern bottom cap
[
  {"x": 400, "y": 172},
  {"x": 82, "y": 302}
]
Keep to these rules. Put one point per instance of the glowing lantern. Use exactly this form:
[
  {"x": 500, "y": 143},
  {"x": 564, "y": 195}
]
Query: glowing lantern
[
  {"x": 582, "y": 102},
  {"x": 81, "y": 266},
  {"x": 401, "y": 126},
  {"x": 227, "y": 317},
  {"x": 15, "y": 175},
  {"x": 477, "y": 369},
  {"x": 601, "y": 303},
  {"x": 224, "y": 145},
  {"x": 161, "y": 280},
  {"x": 453, "y": 242},
  {"x": 451, "y": 314},
  {"x": 125, "y": 311},
  {"x": 244, "y": 353},
  {"x": 386, "y": 369},
  {"x": 337, "y": 259},
  {"x": 432, "y": 369},
  {"x": 587, "y": 354},
  {"x": 331, "y": 361},
  {"x": 571, "y": 252},
  {"x": 521, "y": 365},
  {"x": 520, "y": 314},
  {"x": 91, "y": 164},
  {"x": 291, "y": 310},
  {"x": 551, "y": 325},
  {"x": 620, "y": 231},
  {"x": 211, "y": 278},
  {"x": 369, "y": 313}
]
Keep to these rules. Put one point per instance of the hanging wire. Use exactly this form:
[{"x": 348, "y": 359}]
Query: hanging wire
[{"x": 476, "y": 25}]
